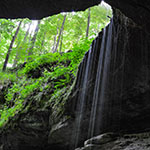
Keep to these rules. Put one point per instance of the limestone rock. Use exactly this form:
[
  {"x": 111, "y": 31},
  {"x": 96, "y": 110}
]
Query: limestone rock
[
  {"x": 61, "y": 133},
  {"x": 125, "y": 142},
  {"x": 101, "y": 139},
  {"x": 91, "y": 147}
]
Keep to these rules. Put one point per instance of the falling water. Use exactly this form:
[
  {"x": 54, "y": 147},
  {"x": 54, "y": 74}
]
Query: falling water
[
  {"x": 101, "y": 77},
  {"x": 82, "y": 98},
  {"x": 113, "y": 80},
  {"x": 97, "y": 86}
]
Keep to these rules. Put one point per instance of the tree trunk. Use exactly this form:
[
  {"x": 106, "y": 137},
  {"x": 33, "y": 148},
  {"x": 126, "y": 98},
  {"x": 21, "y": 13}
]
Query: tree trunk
[
  {"x": 61, "y": 30},
  {"x": 30, "y": 52},
  {"x": 55, "y": 38},
  {"x": 55, "y": 41},
  {"x": 28, "y": 46},
  {"x": 27, "y": 33},
  {"x": 10, "y": 47},
  {"x": 43, "y": 41},
  {"x": 88, "y": 23},
  {"x": 24, "y": 41},
  {"x": 61, "y": 43},
  {"x": 17, "y": 55}
]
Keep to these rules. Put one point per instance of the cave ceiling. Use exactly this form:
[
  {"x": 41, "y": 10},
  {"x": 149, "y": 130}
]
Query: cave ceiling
[{"x": 138, "y": 10}]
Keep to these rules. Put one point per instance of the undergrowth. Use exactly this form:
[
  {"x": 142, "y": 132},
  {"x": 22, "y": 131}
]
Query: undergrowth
[{"x": 57, "y": 71}]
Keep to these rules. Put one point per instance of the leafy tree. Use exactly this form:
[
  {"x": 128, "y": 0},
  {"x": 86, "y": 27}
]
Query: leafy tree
[
  {"x": 30, "y": 50},
  {"x": 21, "y": 45},
  {"x": 10, "y": 47},
  {"x": 60, "y": 33}
]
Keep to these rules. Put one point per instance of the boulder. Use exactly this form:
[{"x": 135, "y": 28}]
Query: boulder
[
  {"x": 101, "y": 139},
  {"x": 122, "y": 142}
]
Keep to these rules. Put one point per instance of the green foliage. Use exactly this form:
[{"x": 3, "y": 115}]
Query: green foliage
[
  {"x": 16, "y": 96},
  {"x": 73, "y": 34},
  {"x": 80, "y": 49},
  {"x": 7, "y": 76},
  {"x": 43, "y": 59},
  {"x": 61, "y": 76},
  {"x": 75, "y": 56},
  {"x": 56, "y": 70}
]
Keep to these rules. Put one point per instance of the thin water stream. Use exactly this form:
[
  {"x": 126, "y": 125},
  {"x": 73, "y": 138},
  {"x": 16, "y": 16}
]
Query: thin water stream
[
  {"x": 118, "y": 81},
  {"x": 98, "y": 98},
  {"x": 101, "y": 78},
  {"x": 97, "y": 87},
  {"x": 81, "y": 102}
]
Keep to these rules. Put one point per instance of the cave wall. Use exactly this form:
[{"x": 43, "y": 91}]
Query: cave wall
[
  {"x": 126, "y": 106},
  {"x": 137, "y": 10}
]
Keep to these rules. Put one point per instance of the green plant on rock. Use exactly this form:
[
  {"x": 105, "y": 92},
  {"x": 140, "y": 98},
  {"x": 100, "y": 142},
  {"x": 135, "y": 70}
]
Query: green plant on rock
[
  {"x": 16, "y": 96},
  {"x": 7, "y": 76},
  {"x": 58, "y": 72}
]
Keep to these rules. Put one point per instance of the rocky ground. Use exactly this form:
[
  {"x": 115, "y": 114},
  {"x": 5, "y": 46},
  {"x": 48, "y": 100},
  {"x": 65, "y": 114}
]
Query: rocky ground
[{"x": 111, "y": 141}]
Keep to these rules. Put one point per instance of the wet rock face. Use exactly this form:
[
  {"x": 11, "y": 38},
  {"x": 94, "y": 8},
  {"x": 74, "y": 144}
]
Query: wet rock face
[
  {"x": 134, "y": 9},
  {"x": 124, "y": 106},
  {"x": 130, "y": 77}
]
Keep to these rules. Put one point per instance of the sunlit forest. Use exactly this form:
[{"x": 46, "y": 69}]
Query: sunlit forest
[
  {"x": 27, "y": 39},
  {"x": 39, "y": 55}
]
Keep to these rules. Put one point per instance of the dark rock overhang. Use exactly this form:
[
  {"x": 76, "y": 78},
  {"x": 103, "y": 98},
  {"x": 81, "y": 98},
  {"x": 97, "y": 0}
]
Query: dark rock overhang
[
  {"x": 37, "y": 9},
  {"x": 137, "y": 10}
]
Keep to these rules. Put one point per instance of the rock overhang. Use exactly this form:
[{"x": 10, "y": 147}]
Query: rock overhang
[
  {"x": 137, "y": 10},
  {"x": 37, "y": 9}
]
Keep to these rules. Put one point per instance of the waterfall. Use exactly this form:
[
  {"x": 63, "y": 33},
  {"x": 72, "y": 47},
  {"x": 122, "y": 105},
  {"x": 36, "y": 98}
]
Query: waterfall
[
  {"x": 119, "y": 90},
  {"x": 97, "y": 87},
  {"x": 82, "y": 97},
  {"x": 101, "y": 77}
]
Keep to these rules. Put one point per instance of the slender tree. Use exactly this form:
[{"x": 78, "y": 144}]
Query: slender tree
[
  {"x": 60, "y": 33},
  {"x": 28, "y": 46},
  {"x": 30, "y": 50},
  {"x": 55, "y": 37},
  {"x": 61, "y": 43},
  {"x": 27, "y": 33},
  {"x": 88, "y": 23},
  {"x": 43, "y": 41},
  {"x": 17, "y": 54},
  {"x": 20, "y": 47},
  {"x": 11, "y": 46}
]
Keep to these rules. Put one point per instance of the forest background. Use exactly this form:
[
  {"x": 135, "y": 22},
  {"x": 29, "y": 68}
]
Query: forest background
[{"x": 23, "y": 39}]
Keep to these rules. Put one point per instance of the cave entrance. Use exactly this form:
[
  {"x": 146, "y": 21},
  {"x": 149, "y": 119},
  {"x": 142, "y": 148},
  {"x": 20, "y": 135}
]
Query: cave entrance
[
  {"x": 41, "y": 59},
  {"x": 23, "y": 39}
]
